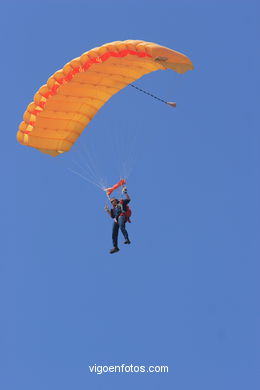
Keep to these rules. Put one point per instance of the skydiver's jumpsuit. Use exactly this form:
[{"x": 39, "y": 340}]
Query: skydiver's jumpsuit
[{"x": 121, "y": 221}]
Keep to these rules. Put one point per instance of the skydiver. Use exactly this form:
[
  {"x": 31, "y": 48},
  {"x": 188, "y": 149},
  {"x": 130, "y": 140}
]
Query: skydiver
[{"x": 120, "y": 213}]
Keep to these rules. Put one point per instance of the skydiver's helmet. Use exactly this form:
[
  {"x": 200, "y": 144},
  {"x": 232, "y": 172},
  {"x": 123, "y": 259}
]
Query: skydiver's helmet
[{"x": 114, "y": 199}]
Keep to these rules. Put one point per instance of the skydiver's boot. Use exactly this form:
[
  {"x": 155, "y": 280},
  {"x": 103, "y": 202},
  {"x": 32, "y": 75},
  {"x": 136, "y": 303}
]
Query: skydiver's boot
[
  {"x": 114, "y": 250},
  {"x": 127, "y": 241}
]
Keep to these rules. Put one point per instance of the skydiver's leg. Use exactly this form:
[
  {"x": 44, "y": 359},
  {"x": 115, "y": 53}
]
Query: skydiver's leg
[
  {"x": 122, "y": 222},
  {"x": 115, "y": 234}
]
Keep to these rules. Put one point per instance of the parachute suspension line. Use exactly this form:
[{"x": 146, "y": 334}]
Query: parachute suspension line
[
  {"x": 132, "y": 157},
  {"x": 129, "y": 147},
  {"x": 88, "y": 163},
  {"x": 90, "y": 167},
  {"x": 85, "y": 178},
  {"x": 88, "y": 176},
  {"x": 87, "y": 168},
  {"x": 95, "y": 168},
  {"x": 171, "y": 104}
]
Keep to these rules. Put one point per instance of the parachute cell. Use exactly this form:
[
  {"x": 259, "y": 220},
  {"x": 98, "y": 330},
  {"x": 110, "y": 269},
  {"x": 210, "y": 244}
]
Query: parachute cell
[{"x": 72, "y": 96}]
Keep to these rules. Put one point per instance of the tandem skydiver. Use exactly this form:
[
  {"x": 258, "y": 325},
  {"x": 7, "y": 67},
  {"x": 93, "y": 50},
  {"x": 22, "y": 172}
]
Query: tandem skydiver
[{"x": 121, "y": 213}]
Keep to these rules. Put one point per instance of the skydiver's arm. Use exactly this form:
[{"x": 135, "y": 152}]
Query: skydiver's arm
[
  {"x": 108, "y": 211},
  {"x": 127, "y": 196},
  {"x": 124, "y": 191}
]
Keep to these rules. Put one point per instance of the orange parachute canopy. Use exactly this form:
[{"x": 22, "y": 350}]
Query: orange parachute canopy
[
  {"x": 117, "y": 185},
  {"x": 64, "y": 106}
]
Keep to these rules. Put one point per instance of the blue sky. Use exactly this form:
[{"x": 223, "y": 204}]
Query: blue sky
[{"x": 185, "y": 293}]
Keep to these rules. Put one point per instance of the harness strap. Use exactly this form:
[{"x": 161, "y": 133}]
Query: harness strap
[{"x": 123, "y": 213}]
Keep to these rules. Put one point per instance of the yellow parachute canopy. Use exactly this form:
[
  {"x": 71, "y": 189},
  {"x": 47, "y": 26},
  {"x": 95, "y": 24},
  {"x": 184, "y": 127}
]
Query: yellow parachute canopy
[{"x": 64, "y": 106}]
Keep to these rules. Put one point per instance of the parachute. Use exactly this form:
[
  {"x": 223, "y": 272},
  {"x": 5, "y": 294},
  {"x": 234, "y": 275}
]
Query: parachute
[{"x": 64, "y": 106}]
